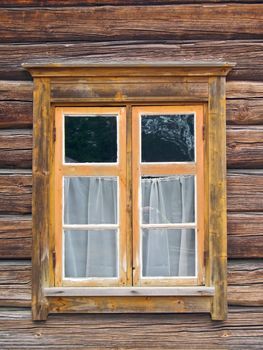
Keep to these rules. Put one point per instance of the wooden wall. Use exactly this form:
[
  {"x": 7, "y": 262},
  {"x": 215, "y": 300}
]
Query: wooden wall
[{"x": 141, "y": 30}]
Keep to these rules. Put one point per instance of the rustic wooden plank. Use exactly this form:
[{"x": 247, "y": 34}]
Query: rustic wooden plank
[
  {"x": 247, "y": 54},
  {"x": 15, "y": 114},
  {"x": 15, "y": 283},
  {"x": 15, "y": 237},
  {"x": 216, "y": 197},
  {"x": 243, "y": 330},
  {"x": 245, "y": 282},
  {"x": 70, "y": 3},
  {"x": 245, "y": 111},
  {"x": 245, "y": 190},
  {"x": 244, "y": 89},
  {"x": 16, "y": 149},
  {"x": 229, "y": 21},
  {"x": 129, "y": 291},
  {"x": 245, "y": 235},
  {"x": 16, "y": 192},
  {"x": 245, "y": 147}
]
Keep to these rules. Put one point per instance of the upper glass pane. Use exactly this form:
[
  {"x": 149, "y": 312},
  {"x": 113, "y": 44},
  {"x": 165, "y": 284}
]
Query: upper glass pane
[
  {"x": 91, "y": 139},
  {"x": 168, "y": 199},
  {"x": 167, "y": 138},
  {"x": 90, "y": 200}
]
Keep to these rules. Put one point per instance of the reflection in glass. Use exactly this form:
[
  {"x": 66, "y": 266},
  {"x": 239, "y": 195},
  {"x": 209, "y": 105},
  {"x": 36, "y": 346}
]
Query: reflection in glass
[
  {"x": 90, "y": 200},
  {"x": 168, "y": 252},
  {"x": 90, "y": 253},
  {"x": 90, "y": 139},
  {"x": 168, "y": 199},
  {"x": 167, "y": 138}
]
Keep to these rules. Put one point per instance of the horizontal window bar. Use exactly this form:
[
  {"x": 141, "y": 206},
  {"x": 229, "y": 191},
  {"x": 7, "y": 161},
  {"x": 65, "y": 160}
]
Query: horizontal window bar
[
  {"x": 178, "y": 225},
  {"x": 91, "y": 227}
]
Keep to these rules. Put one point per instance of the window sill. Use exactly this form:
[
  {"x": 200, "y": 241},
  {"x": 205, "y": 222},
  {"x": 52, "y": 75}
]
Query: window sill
[{"x": 128, "y": 291}]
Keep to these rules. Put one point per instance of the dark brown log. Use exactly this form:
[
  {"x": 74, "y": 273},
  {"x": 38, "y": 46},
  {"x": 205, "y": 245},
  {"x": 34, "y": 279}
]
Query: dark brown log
[
  {"x": 15, "y": 114},
  {"x": 15, "y": 237},
  {"x": 245, "y": 147},
  {"x": 243, "y": 330},
  {"x": 229, "y": 21},
  {"x": 245, "y": 190},
  {"x": 245, "y": 111},
  {"x": 16, "y": 192},
  {"x": 16, "y": 91},
  {"x": 244, "y": 89},
  {"x": 245, "y": 235},
  {"x": 70, "y": 3},
  {"x": 16, "y": 149},
  {"x": 247, "y": 54},
  {"x": 15, "y": 283}
]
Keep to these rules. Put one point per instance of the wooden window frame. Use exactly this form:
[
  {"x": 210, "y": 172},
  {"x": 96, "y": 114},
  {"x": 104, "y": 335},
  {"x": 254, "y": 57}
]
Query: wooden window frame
[{"x": 127, "y": 85}]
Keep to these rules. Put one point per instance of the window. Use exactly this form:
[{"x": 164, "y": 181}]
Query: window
[{"x": 129, "y": 210}]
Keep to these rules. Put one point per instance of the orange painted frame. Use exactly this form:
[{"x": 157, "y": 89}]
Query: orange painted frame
[
  {"x": 195, "y": 168},
  {"x": 85, "y": 169}
]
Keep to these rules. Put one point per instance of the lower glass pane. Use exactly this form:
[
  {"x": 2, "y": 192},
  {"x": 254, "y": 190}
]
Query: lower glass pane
[
  {"x": 168, "y": 252},
  {"x": 92, "y": 253}
]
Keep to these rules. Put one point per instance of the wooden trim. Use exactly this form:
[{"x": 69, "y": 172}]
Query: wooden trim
[
  {"x": 130, "y": 304},
  {"x": 40, "y": 197},
  {"x": 168, "y": 169},
  {"x": 217, "y": 196},
  {"x": 132, "y": 291},
  {"x": 130, "y": 69}
]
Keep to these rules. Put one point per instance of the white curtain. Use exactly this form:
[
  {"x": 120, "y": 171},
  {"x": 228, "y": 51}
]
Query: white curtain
[
  {"x": 90, "y": 200},
  {"x": 93, "y": 200},
  {"x": 168, "y": 252}
]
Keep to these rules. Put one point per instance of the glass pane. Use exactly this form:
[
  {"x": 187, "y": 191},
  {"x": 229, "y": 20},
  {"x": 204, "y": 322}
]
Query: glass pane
[
  {"x": 91, "y": 139},
  {"x": 168, "y": 252},
  {"x": 168, "y": 199},
  {"x": 90, "y": 200},
  {"x": 90, "y": 253},
  {"x": 167, "y": 138}
]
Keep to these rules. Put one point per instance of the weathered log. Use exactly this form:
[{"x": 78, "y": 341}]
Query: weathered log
[
  {"x": 228, "y": 21},
  {"x": 54, "y": 3},
  {"x": 245, "y": 235},
  {"x": 15, "y": 237},
  {"x": 243, "y": 330},
  {"x": 245, "y": 147},
  {"x": 245, "y": 190},
  {"x": 247, "y": 54},
  {"x": 16, "y": 149},
  {"x": 16, "y": 192},
  {"x": 15, "y": 283}
]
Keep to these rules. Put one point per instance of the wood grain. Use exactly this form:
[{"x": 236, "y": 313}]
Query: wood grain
[
  {"x": 229, "y": 21},
  {"x": 245, "y": 235},
  {"x": 243, "y": 330},
  {"x": 245, "y": 190},
  {"x": 245, "y": 147},
  {"x": 15, "y": 283},
  {"x": 15, "y": 237},
  {"x": 16, "y": 149},
  {"x": 247, "y": 54},
  {"x": 16, "y": 192}
]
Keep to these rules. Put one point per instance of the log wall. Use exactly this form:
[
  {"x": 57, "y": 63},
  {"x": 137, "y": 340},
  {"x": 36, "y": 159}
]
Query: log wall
[{"x": 138, "y": 30}]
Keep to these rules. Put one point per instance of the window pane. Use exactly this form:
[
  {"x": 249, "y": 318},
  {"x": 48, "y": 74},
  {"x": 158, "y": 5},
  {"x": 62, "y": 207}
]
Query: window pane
[
  {"x": 90, "y": 253},
  {"x": 168, "y": 252},
  {"x": 167, "y": 138},
  {"x": 168, "y": 199},
  {"x": 91, "y": 139},
  {"x": 90, "y": 200}
]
